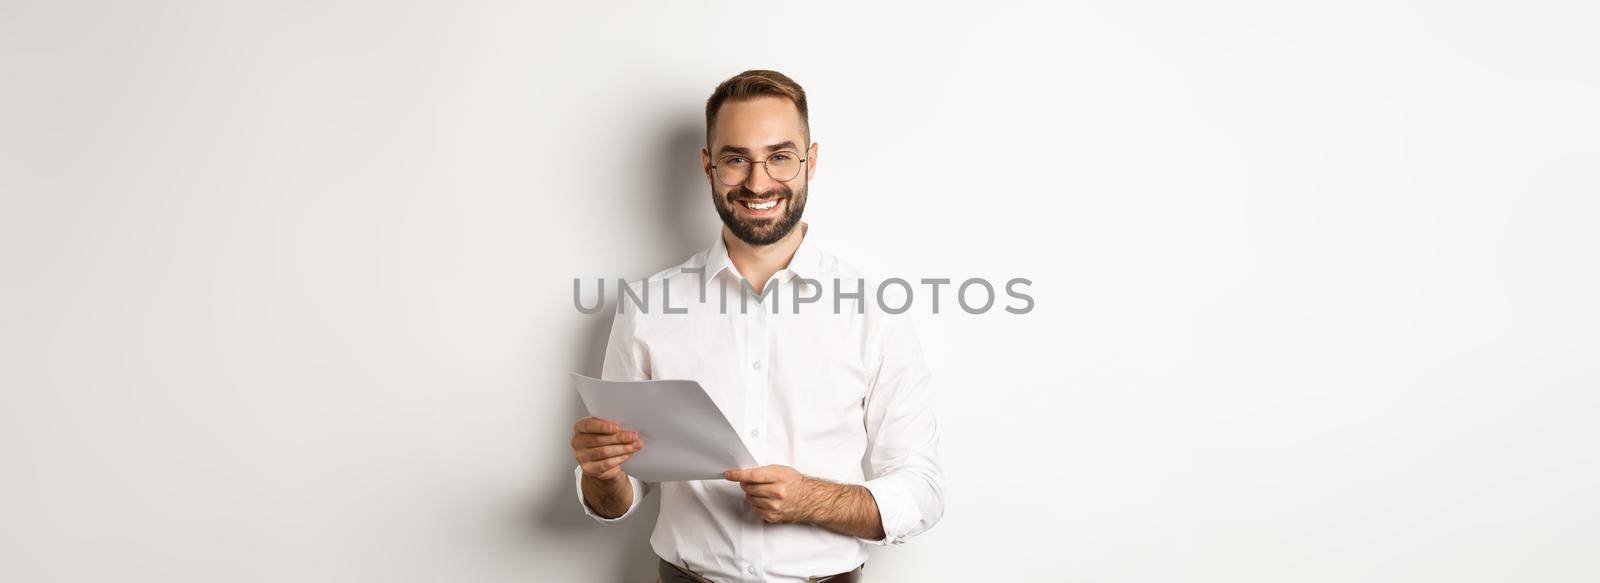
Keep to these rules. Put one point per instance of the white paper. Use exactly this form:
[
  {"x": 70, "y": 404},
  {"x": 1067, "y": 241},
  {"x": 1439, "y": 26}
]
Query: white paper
[{"x": 685, "y": 435}]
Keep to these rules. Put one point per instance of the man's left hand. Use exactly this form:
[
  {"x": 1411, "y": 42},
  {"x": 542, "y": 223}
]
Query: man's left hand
[{"x": 777, "y": 493}]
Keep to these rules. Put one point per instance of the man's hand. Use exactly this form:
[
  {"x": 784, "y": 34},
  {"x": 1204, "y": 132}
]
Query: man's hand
[
  {"x": 601, "y": 446},
  {"x": 777, "y": 493},
  {"x": 783, "y": 494}
]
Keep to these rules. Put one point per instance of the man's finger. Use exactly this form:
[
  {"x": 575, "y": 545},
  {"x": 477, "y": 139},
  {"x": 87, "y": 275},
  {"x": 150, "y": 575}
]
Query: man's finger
[
  {"x": 761, "y": 475},
  {"x": 605, "y": 451},
  {"x": 605, "y": 465},
  {"x": 756, "y": 490},
  {"x": 742, "y": 475},
  {"x": 587, "y": 440},
  {"x": 596, "y": 425}
]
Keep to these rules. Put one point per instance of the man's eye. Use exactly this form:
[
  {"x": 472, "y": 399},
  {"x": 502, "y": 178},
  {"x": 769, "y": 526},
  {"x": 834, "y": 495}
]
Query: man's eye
[
  {"x": 734, "y": 160},
  {"x": 781, "y": 157}
]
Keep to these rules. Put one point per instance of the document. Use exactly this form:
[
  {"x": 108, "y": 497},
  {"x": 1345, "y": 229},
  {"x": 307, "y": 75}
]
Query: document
[{"x": 685, "y": 435}]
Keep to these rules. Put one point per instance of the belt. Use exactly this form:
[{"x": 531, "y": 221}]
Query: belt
[{"x": 670, "y": 573}]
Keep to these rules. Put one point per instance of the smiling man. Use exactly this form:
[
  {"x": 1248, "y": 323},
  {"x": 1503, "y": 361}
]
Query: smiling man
[{"x": 834, "y": 395}]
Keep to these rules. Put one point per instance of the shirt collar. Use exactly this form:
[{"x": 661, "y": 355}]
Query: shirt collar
[
  {"x": 717, "y": 260},
  {"x": 806, "y": 263}
]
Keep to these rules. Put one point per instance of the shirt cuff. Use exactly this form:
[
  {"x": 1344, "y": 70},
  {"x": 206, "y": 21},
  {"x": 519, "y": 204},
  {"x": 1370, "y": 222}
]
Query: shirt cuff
[
  {"x": 897, "y": 510},
  {"x": 639, "y": 490}
]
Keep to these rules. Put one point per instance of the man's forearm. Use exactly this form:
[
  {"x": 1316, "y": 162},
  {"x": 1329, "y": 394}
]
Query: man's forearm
[
  {"x": 609, "y": 499},
  {"x": 844, "y": 508}
]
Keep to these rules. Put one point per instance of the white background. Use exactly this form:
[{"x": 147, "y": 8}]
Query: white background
[{"x": 287, "y": 285}]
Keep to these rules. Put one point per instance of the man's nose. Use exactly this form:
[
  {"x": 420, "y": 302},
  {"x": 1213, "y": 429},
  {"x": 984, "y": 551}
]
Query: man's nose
[{"x": 759, "y": 181}]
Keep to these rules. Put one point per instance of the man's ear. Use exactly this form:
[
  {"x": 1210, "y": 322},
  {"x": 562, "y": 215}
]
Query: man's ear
[
  {"x": 705, "y": 163},
  {"x": 811, "y": 162}
]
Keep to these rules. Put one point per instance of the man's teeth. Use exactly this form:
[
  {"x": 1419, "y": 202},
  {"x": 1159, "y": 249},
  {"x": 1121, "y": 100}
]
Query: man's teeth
[{"x": 761, "y": 206}]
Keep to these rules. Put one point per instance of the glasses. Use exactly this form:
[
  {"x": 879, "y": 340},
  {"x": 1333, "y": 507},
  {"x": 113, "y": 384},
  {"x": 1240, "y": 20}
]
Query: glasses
[{"x": 781, "y": 166}]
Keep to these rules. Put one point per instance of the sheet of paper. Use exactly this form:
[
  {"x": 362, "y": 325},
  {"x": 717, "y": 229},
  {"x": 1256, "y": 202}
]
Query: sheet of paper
[{"x": 686, "y": 437}]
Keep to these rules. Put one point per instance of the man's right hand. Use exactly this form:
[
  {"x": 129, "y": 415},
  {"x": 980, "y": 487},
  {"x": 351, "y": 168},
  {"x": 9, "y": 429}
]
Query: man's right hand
[{"x": 601, "y": 446}]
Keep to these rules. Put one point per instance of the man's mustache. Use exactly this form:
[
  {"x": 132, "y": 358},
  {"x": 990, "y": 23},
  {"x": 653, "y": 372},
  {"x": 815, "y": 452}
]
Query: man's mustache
[{"x": 743, "y": 193}]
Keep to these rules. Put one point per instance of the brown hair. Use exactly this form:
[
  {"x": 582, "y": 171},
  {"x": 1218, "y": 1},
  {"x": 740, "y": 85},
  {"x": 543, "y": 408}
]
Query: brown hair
[{"x": 752, "y": 84}]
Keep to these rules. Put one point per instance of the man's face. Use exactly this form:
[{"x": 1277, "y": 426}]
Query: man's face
[{"x": 759, "y": 209}]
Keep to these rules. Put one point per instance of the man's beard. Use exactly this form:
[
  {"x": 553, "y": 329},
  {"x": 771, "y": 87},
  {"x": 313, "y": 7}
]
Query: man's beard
[{"x": 760, "y": 231}]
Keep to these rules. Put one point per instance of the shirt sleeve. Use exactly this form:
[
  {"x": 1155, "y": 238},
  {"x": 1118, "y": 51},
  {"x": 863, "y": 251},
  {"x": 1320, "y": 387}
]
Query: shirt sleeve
[
  {"x": 902, "y": 437},
  {"x": 625, "y": 360},
  {"x": 640, "y": 489}
]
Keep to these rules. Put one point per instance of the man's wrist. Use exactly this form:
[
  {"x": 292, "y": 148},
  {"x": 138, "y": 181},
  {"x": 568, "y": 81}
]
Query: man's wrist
[
  {"x": 610, "y": 483},
  {"x": 608, "y": 497}
]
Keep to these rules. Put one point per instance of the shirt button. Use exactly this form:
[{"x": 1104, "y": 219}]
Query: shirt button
[
  {"x": 750, "y": 569},
  {"x": 755, "y": 433},
  {"x": 756, "y": 365}
]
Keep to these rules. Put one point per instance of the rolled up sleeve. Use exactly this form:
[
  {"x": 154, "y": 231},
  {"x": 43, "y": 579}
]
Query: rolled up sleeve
[
  {"x": 904, "y": 475},
  {"x": 640, "y": 489}
]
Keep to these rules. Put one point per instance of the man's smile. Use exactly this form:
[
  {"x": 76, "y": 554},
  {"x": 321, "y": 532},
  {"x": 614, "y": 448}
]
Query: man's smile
[{"x": 758, "y": 208}]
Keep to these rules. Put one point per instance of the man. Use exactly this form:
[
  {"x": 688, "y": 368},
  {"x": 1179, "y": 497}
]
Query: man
[{"x": 815, "y": 390}]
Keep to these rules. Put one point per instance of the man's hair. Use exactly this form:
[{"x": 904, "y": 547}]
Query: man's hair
[{"x": 752, "y": 84}]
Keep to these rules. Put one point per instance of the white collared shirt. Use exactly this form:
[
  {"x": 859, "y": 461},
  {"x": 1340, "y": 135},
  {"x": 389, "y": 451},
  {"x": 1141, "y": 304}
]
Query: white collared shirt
[{"x": 820, "y": 391}]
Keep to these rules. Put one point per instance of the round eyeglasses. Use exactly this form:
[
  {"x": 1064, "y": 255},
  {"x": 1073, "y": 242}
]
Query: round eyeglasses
[{"x": 735, "y": 169}]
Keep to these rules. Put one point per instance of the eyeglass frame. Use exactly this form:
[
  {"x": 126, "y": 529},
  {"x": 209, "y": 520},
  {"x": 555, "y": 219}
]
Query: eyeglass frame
[{"x": 765, "y": 167}]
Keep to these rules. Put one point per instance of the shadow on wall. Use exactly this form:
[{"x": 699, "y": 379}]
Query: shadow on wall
[{"x": 680, "y": 195}]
